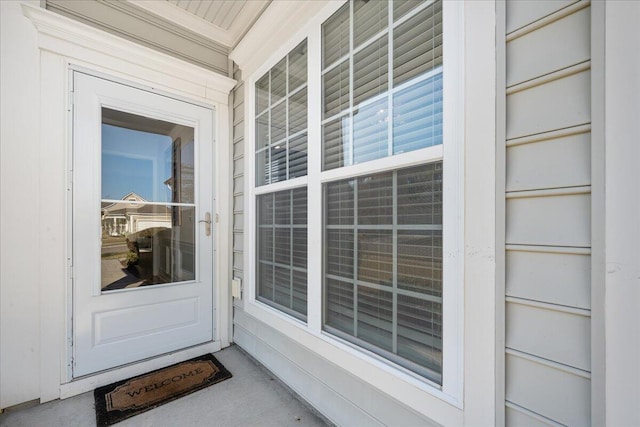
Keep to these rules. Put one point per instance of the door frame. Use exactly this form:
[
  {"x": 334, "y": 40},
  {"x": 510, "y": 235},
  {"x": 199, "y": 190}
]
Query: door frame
[{"x": 66, "y": 45}]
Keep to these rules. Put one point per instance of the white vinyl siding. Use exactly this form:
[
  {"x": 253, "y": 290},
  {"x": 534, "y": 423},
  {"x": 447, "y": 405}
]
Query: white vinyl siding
[
  {"x": 238, "y": 175},
  {"x": 548, "y": 213}
]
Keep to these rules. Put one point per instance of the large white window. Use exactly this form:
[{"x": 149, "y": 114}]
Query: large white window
[
  {"x": 374, "y": 269},
  {"x": 281, "y": 155},
  {"x": 382, "y": 96}
]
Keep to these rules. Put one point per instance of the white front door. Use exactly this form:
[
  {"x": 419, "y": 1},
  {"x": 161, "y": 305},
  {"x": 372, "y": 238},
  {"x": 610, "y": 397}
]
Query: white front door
[{"x": 142, "y": 230}]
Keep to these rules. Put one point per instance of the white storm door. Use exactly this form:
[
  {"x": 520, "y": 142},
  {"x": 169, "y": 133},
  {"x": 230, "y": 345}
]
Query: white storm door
[{"x": 142, "y": 224}]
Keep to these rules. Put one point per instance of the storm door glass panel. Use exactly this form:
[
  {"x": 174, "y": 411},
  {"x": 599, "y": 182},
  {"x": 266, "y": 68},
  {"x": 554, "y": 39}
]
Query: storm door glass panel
[{"x": 147, "y": 202}]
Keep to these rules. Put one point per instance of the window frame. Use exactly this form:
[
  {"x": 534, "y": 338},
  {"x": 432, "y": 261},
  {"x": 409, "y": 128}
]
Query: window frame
[{"x": 311, "y": 334}]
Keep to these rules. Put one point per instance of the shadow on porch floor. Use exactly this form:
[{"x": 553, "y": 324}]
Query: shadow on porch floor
[{"x": 251, "y": 398}]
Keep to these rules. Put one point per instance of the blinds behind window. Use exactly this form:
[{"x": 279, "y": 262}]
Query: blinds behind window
[
  {"x": 282, "y": 250},
  {"x": 281, "y": 121},
  {"x": 409, "y": 98},
  {"x": 389, "y": 226}
]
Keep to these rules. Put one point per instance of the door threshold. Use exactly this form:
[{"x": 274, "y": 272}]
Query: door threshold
[{"x": 91, "y": 382}]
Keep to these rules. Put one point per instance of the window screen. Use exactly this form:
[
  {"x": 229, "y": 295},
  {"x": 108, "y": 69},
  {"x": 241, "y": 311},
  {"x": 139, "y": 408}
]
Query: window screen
[
  {"x": 282, "y": 250},
  {"x": 383, "y": 265}
]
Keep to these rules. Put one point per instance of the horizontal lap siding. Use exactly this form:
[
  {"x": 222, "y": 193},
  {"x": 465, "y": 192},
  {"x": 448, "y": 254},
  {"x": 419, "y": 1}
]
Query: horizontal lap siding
[{"x": 548, "y": 213}]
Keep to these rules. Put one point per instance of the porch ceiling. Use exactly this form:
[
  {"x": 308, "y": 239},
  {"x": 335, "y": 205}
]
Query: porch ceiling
[{"x": 222, "y": 21}]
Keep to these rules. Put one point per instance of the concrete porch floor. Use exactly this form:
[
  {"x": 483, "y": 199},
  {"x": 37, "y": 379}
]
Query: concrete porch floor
[{"x": 251, "y": 398}]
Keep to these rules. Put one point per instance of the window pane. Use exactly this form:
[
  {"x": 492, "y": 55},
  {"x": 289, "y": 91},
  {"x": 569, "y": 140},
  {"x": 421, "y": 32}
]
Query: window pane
[
  {"x": 369, "y": 18},
  {"x": 339, "y": 198},
  {"x": 335, "y": 36},
  {"x": 370, "y": 132},
  {"x": 420, "y": 194},
  {"x": 299, "y": 246},
  {"x": 298, "y": 66},
  {"x": 339, "y": 305},
  {"x": 282, "y": 250},
  {"x": 417, "y": 44},
  {"x": 370, "y": 71},
  {"x": 300, "y": 292},
  {"x": 282, "y": 246},
  {"x": 299, "y": 206},
  {"x": 420, "y": 261},
  {"x": 262, "y": 94},
  {"x": 375, "y": 199},
  {"x": 262, "y": 131},
  {"x": 340, "y": 253},
  {"x": 402, "y": 7},
  {"x": 335, "y": 141},
  {"x": 420, "y": 332},
  {"x": 417, "y": 121},
  {"x": 298, "y": 156},
  {"x": 375, "y": 312},
  {"x": 278, "y": 122},
  {"x": 298, "y": 111},
  {"x": 279, "y": 81},
  {"x": 375, "y": 257},
  {"x": 335, "y": 84}
]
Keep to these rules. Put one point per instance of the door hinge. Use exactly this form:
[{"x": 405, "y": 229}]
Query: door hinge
[
  {"x": 71, "y": 100},
  {"x": 217, "y": 218}
]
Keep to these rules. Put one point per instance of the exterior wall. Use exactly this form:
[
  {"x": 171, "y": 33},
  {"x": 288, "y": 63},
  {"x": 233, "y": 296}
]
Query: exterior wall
[
  {"x": 19, "y": 210},
  {"x": 548, "y": 313},
  {"x": 35, "y": 286},
  {"x": 334, "y": 379}
]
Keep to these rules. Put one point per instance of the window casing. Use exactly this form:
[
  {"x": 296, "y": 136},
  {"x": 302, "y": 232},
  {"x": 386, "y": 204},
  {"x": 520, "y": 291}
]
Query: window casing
[{"x": 413, "y": 133}]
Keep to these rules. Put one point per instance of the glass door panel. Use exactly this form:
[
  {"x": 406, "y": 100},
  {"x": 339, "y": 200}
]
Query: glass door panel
[{"x": 147, "y": 202}]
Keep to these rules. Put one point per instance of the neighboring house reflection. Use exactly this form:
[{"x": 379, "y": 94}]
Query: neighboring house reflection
[{"x": 132, "y": 215}]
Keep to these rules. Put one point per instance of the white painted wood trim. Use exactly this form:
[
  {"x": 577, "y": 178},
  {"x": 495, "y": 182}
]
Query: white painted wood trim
[
  {"x": 598, "y": 215},
  {"x": 65, "y": 36},
  {"x": 263, "y": 40}
]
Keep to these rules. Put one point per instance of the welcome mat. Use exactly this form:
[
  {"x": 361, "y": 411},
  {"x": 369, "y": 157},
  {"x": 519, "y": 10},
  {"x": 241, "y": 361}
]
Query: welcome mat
[{"x": 124, "y": 399}]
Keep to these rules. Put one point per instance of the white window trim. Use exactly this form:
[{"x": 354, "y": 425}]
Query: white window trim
[{"x": 359, "y": 361}]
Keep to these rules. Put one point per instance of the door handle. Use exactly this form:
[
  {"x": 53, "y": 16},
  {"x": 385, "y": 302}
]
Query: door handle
[{"x": 207, "y": 223}]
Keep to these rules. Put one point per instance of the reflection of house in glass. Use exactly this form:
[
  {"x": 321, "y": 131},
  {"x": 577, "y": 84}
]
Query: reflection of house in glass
[{"x": 123, "y": 218}]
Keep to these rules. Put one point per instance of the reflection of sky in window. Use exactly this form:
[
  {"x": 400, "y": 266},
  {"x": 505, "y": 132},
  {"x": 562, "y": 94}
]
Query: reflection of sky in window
[{"x": 135, "y": 161}]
